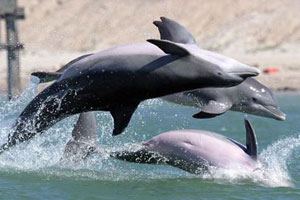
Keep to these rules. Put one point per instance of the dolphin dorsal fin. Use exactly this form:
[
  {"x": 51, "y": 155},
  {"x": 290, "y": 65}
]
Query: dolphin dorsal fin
[
  {"x": 251, "y": 142},
  {"x": 170, "y": 47},
  {"x": 72, "y": 62},
  {"x": 173, "y": 31},
  {"x": 85, "y": 128}
]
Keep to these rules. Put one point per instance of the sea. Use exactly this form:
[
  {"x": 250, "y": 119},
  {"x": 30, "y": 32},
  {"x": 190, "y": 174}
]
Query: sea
[{"x": 33, "y": 169}]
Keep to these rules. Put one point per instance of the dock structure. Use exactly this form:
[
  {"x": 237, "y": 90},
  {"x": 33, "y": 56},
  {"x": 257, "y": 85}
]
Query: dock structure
[{"x": 10, "y": 12}]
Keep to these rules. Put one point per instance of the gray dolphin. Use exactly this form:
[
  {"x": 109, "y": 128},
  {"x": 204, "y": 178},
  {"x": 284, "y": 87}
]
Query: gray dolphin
[
  {"x": 118, "y": 79},
  {"x": 250, "y": 96},
  {"x": 190, "y": 150},
  {"x": 195, "y": 151},
  {"x": 84, "y": 138}
]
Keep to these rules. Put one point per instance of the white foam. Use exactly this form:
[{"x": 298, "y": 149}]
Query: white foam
[
  {"x": 16, "y": 105},
  {"x": 274, "y": 172}
]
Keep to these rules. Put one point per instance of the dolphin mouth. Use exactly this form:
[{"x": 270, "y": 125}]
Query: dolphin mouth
[
  {"x": 244, "y": 71},
  {"x": 246, "y": 74},
  {"x": 276, "y": 113}
]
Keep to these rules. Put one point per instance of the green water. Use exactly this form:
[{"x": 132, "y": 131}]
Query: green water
[{"x": 32, "y": 170}]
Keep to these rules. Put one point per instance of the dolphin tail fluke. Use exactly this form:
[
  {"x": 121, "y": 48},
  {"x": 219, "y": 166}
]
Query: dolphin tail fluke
[
  {"x": 46, "y": 76},
  {"x": 52, "y": 76}
]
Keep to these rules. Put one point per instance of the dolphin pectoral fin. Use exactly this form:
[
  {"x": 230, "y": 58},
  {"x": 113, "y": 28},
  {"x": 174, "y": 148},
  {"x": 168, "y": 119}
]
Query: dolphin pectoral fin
[
  {"x": 141, "y": 156},
  {"x": 171, "y": 30},
  {"x": 169, "y": 47},
  {"x": 122, "y": 116},
  {"x": 212, "y": 109},
  {"x": 204, "y": 115},
  {"x": 46, "y": 76},
  {"x": 251, "y": 142}
]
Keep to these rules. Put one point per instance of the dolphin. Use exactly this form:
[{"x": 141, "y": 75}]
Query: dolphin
[
  {"x": 194, "y": 151},
  {"x": 118, "y": 79},
  {"x": 84, "y": 138},
  {"x": 250, "y": 96}
]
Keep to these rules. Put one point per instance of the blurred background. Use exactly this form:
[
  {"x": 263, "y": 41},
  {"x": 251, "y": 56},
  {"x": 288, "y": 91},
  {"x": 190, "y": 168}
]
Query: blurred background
[{"x": 262, "y": 33}]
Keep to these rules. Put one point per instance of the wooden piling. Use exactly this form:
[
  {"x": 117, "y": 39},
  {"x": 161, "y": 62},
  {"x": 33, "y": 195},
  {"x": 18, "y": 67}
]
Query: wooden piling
[
  {"x": 10, "y": 13},
  {"x": 14, "y": 85}
]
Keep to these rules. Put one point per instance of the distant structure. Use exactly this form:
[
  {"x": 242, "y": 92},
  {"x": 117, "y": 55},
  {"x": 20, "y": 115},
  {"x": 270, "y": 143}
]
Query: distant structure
[{"x": 10, "y": 12}]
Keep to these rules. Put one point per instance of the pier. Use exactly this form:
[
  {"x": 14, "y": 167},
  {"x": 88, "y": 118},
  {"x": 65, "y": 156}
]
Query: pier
[{"x": 10, "y": 13}]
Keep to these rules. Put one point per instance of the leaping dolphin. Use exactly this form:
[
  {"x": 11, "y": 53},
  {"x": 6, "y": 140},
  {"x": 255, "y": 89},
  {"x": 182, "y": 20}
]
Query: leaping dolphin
[
  {"x": 250, "y": 96},
  {"x": 118, "y": 79},
  {"x": 190, "y": 150}
]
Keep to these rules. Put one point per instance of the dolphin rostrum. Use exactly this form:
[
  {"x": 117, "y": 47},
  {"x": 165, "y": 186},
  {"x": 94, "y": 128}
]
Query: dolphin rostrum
[
  {"x": 190, "y": 150},
  {"x": 118, "y": 79},
  {"x": 250, "y": 96}
]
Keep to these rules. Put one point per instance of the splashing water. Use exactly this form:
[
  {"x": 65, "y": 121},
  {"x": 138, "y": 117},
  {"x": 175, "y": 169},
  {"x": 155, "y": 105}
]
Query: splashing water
[
  {"x": 277, "y": 156},
  {"x": 17, "y": 104},
  {"x": 273, "y": 171},
  {"x": 42, "y": 154}
]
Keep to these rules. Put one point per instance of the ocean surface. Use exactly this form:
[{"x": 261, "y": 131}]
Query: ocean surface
[{"x": 33, "y": 170}]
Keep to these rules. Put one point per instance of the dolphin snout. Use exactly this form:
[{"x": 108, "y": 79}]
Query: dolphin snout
[
  {"x": 276, "y": 113},
  {"x": 244, "y": 71}
]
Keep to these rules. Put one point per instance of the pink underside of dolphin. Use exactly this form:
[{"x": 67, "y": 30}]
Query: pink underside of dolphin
[{"x": 189, "y": 150}]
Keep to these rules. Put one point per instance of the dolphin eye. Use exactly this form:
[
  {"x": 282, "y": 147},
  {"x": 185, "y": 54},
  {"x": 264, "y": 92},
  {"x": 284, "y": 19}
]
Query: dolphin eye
[
  {"x": 254, "y": 99},
  {"x": 220, "y": 73}
]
